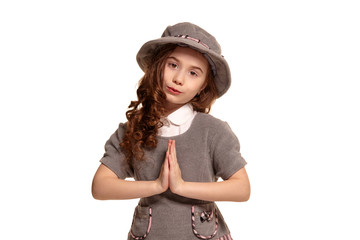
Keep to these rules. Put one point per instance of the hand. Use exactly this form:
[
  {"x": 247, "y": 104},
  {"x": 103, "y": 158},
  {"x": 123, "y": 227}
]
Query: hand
[
  {"x": 163, "y": 179},
  {"x": 175, "y": 179}
]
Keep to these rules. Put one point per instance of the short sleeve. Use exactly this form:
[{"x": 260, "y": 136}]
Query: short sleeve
[
  {"x": 226, "y": 152},
  {"x": 114, "y": 158}
]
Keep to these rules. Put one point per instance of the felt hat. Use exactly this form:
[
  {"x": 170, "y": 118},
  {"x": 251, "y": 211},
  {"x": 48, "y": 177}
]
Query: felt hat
[{"x": 191, "y": 35}]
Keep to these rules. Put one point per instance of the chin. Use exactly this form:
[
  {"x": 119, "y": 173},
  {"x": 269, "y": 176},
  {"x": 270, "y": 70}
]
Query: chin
[{"x": 173, "y": 102}]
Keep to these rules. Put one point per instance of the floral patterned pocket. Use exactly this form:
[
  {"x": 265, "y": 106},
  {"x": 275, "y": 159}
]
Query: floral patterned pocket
[
  {"x": 204, "y": 221},
  {"x": 141, "y": 224}
]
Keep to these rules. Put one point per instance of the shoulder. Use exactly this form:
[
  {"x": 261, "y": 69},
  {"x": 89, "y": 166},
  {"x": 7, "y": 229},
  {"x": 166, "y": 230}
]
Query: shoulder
[
  {"x": 122, "y": 127},
  {"x": 209, "y": 121},
  {"x": 118, "y": 135},
  {"x": 211, "y": 125}
]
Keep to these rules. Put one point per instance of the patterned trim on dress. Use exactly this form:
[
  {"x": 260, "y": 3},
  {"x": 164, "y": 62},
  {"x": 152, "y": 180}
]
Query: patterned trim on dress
[
  {"x": 226, "y": 237},
  {"x": 209, "y": 216},
  {"x": 147, "y": 231}
]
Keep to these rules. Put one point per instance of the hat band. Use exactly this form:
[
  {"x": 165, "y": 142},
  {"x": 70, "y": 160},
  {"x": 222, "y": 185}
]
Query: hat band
[{"x": 194, "y": 39}]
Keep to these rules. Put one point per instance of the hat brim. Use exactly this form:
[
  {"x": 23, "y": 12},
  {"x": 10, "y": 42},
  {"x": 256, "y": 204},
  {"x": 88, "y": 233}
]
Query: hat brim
[{"x": 222, "y": 77}]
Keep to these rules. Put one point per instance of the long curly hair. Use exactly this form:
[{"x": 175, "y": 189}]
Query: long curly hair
[{"x": 144, "y": 115}]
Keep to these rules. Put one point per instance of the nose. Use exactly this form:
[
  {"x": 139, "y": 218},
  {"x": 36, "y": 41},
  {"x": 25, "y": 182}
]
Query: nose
[{"x": 179, "y": 78}]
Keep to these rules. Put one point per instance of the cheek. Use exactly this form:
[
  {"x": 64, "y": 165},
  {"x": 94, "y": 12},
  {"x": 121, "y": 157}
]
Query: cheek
[
  {"x": 163, "y": 80},
  {"x": 166, "y": 75},
  {"x": 199, "y": 86},
  {"x": 193, "y": 91}
]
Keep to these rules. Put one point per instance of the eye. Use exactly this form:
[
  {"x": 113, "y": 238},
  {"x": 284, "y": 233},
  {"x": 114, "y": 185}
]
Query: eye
[
  {"x": 193, "y": 73},
  {"x": 173, "y": 65}
]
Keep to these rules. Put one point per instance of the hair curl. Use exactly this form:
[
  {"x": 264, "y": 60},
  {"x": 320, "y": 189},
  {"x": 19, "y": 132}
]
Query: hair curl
[{"x": 144, "y": 115}]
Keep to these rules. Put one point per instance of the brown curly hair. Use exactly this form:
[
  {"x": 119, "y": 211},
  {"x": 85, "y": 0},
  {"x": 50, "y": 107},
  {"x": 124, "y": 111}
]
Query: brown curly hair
[{"x": 144, "y": 115}]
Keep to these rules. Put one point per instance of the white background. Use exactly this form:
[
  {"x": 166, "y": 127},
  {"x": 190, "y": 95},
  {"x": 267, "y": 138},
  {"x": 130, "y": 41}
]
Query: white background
[{"x": 68, "y": 73}]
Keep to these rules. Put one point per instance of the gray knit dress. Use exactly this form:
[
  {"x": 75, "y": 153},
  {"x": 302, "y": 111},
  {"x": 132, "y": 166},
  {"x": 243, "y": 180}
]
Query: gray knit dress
[{"x": 208, "y": 150}]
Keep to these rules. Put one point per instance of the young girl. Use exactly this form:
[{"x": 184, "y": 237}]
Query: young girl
[{"x": 173, "y": 148}]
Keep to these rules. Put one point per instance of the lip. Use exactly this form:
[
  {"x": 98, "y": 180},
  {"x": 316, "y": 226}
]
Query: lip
[{"x": 173, "y": 90}]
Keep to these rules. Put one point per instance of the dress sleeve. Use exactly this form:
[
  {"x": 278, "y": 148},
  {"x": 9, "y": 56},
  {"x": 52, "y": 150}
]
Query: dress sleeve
[
  {"x": 226, "y": 152},
  {"x": 114, "y": 158}
]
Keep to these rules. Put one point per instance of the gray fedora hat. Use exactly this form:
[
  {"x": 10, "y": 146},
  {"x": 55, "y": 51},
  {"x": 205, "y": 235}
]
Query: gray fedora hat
[{"x": 191, "y": 35}]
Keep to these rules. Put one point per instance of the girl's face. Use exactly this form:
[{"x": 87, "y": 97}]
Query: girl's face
[{"x": 184, "y": 76}]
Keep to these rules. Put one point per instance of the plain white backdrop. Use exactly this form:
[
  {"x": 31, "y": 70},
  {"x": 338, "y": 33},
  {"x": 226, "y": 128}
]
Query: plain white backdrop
[{"x": 68, "y": 72}]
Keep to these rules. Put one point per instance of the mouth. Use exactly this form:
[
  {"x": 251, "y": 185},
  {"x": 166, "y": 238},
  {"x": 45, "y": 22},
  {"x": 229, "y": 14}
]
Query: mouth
[{"x": 173, "y": 90}]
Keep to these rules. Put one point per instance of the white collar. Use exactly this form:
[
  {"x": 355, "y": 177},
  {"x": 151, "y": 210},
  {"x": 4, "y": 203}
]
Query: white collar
[{"x": 181, "y": 115}]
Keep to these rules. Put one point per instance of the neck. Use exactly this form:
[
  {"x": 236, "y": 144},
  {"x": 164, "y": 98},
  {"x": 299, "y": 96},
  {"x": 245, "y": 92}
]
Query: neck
[{"x": 170, "y": 108}]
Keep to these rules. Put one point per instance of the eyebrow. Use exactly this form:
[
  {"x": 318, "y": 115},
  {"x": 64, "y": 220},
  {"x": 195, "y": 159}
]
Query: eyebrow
[{"x": 196, "y": 67}]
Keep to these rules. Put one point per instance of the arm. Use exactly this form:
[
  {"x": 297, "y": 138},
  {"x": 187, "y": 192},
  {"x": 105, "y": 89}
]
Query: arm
[
  {"x": 106, "y": 185},
  {"x": 236, "y": 188}
]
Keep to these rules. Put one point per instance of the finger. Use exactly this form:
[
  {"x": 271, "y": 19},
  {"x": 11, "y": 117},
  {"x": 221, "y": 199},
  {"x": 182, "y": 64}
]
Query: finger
[
  {"x": 166, "y": 166},
  {"x": 174, "y": 149},
  {"x": 172, "y": 158},
  {"x": 167, "y": 153},
  {"x": 167, "y": 156},
  {"x": 169, "y": 146}
]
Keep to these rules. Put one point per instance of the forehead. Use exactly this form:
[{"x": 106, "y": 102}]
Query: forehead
[{"x": 191, "y": 56}]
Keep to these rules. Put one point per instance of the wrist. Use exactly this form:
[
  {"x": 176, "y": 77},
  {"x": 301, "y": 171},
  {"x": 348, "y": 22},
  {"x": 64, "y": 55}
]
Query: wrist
[
  {"x": 157, "y": 187},
  {"x": 179, "y": 189}
]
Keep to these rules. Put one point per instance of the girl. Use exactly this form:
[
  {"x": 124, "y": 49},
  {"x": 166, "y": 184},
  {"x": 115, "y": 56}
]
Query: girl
[{"x": 173, "y": 148}]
